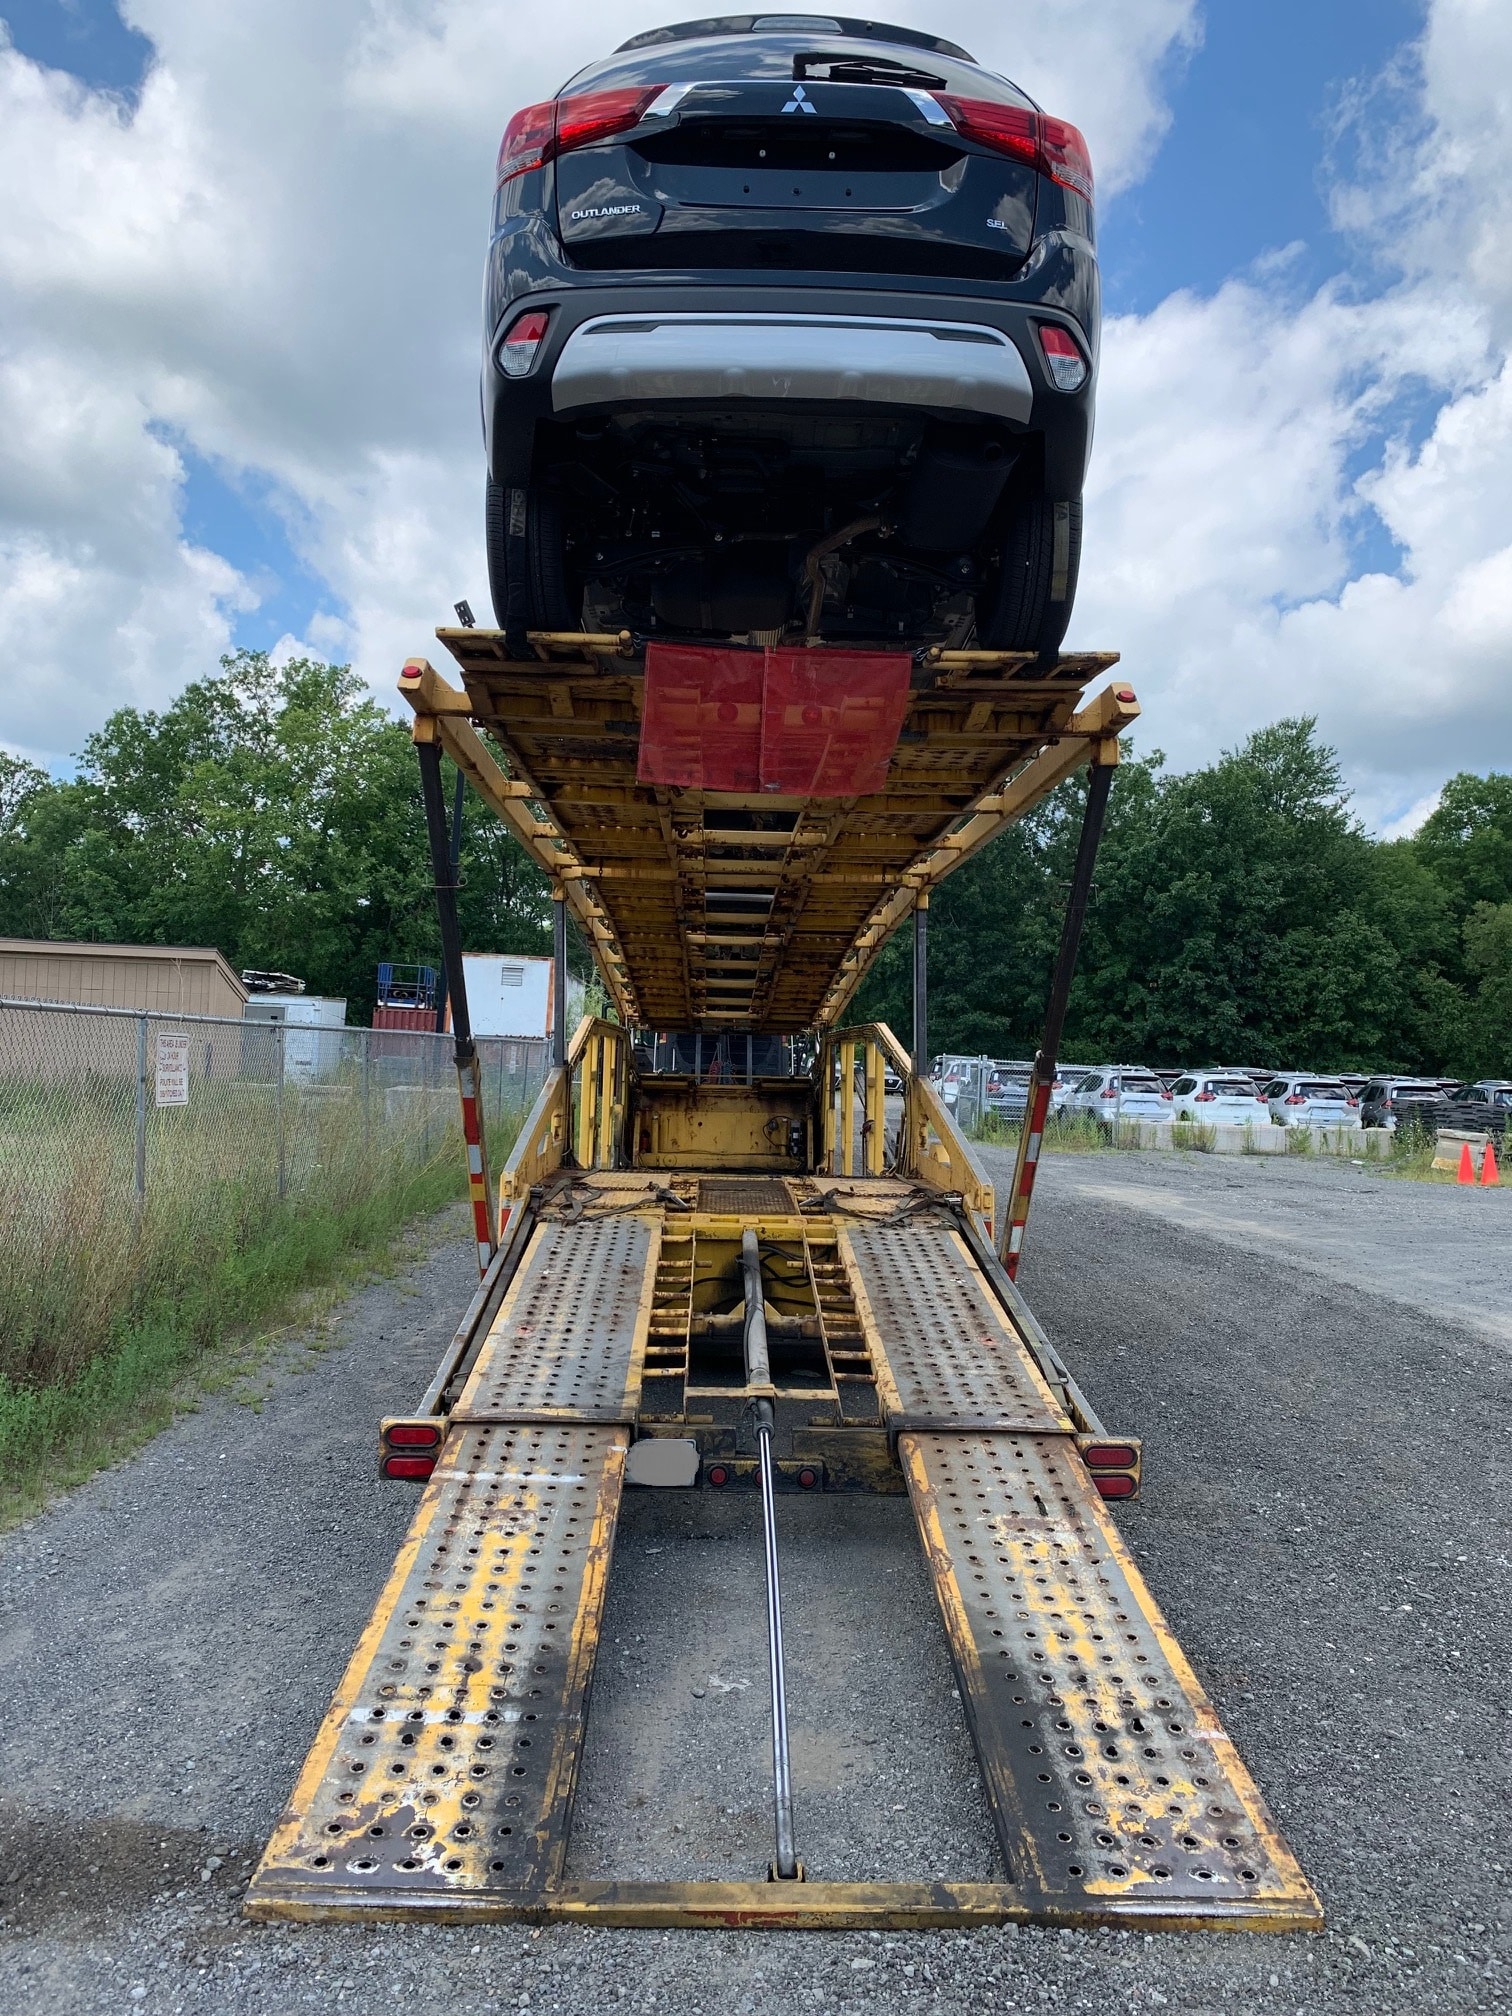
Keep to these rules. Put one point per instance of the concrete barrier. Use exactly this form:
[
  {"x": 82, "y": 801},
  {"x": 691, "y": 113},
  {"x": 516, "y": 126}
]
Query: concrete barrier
[{"x": 1263, "y": 1138}]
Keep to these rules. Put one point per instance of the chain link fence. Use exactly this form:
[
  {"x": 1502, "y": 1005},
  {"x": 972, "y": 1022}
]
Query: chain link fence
[{"x": 135, "y": 1148}]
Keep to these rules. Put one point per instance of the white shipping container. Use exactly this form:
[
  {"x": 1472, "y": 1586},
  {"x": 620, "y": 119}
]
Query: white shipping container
[
  {"x": 507, "y": 995},
  {"x": 312, "y": 1025}
]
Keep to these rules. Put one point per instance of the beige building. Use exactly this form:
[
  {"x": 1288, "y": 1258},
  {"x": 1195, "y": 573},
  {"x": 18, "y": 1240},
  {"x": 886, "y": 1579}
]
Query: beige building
[{"x": 162, "y": 979}]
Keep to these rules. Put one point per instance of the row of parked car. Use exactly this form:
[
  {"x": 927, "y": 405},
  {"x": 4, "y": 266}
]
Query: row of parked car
[{"x": 1226, "y": 1095}]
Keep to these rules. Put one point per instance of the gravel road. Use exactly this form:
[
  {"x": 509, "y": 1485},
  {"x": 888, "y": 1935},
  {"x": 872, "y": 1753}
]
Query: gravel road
[{"x": 1325, "y": 1520}]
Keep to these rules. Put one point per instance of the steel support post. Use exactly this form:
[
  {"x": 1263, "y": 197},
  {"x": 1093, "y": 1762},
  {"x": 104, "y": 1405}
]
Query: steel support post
[
  {"x": 1015, "y": 1216},
  {"x": 454, "y": 852},
  {"x": 278, "y": 1109},
  {"x": 785, "y": 1864},
  {"x": 559, "y": 976},
  {"x": 921, "y": 987},
  {"x": 141, "y": 1112},
  {"x": 464, "y": 1050}
]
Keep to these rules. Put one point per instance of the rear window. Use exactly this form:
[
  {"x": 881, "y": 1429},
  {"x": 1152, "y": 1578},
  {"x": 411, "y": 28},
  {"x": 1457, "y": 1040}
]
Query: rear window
[
  {"x": 1143, "y": 1085},
  {"x": 1232, "y": 1087},
  {"x": 1415, "y": 1091},
  {"x": 1322, "y": 1088}
]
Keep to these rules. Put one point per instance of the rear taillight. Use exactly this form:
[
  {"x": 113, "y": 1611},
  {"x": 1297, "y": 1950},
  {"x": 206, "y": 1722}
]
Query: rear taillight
[
  {"x": 529, "y": 140},
  {"x": 1261, "y": 1100},
  {"x": 1351, "y": 1102},
  {"x": 541, "y": 132},
  {"x": 1166, "y": 1095},
  {"x": 1063, "y": 358},
  {"x": 594, "y": 115},
  {"x": 522, "y": 342},
  {"x": 1051, "y": 146},
  {"x": 1109, "y": 1092},
  {"x": 1205, "y": 1098},
  {"x": 1294, "y": 1099}
]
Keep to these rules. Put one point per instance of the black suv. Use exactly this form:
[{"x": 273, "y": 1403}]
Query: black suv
[{"x": 791, "y": 331}]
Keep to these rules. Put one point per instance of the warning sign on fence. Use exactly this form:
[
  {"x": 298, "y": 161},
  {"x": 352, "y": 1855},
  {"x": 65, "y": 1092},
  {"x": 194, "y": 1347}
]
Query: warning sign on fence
[{"x": 172, "y": 1068}]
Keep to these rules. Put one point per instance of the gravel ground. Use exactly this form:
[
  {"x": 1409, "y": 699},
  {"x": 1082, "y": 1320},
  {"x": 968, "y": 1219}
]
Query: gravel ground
[{"x": 1325, "y": 1520}]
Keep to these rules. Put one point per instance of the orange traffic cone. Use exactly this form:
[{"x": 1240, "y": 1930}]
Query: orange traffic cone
[
  {"x": 1467, "y": 1166},
  {"x": 1490, "y": 1174}
]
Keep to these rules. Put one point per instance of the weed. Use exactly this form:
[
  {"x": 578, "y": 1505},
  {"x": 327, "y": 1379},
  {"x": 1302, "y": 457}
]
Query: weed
[{"x": 1191, "y": 1134}]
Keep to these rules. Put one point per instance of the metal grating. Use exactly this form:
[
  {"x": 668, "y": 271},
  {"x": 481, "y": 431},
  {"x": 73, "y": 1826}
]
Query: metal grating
[
  {"x": 565, "y": 1340},
  {"x": 1110, "y": 1776},
  {"x": 951, "y": 1360},
  {"x": 447, "y": 1760},
  {"x": 745, "y": 1197}
]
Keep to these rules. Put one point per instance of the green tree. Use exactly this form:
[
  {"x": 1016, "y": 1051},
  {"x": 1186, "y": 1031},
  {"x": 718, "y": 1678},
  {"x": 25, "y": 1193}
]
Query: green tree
[{"x": 273, "y": 812}]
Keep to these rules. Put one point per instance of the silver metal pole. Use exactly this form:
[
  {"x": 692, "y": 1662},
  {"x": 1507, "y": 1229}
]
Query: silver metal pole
[
  {"x": 278, "y": 1109},
  {"x": 759, "y": 1374},
  {"x": 141, "y": 1110}
]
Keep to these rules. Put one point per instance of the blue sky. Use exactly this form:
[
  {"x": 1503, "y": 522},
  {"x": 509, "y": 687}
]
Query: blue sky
[{"x": 259, "y": 432}]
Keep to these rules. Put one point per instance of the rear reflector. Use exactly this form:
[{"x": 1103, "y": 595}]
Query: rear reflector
[
  {"x": 1110, "y": 1456},
  {"x": 522, "y": 342},
  {"x": 1063, "y": 358},
  {"x": 1114, "y": 1483},
  {"x": 408, "y": 1466},
  {"x": 413, "y": 1434}
]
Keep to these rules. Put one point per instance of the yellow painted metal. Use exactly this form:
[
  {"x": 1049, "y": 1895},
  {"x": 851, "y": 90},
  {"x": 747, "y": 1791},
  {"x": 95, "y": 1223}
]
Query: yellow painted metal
[
  {"x": 587, "y": 1103},
  {"x": 775, "y": 1907},
  {"x": 876, "y": 1108},
  {"x": 727, "y": 1127},
  {"x": 984, "y": 739},
  {"x": 847, "y": 1052}
]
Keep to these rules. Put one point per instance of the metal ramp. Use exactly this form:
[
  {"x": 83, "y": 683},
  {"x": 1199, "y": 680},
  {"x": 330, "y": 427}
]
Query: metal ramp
[{"x": 442, "y": 1779}]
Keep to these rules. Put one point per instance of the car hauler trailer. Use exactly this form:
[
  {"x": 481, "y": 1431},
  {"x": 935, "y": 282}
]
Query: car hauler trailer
[{"x": 716, "y": 1260}]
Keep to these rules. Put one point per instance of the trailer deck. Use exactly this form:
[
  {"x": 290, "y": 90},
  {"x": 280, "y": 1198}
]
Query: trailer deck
[
  {"x": 720, "y": 1259},
  {"x": 443, "y": 1777}
]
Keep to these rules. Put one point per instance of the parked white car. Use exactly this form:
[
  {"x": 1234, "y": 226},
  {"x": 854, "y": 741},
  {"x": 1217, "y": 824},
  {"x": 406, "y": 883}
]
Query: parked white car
[
  {"x": 1296, "y": 1099},
  {"x": 1067, "y": 1078},
  {"x": 1120, "y": 1092},
  {"x": 1219, "y": 1099}
]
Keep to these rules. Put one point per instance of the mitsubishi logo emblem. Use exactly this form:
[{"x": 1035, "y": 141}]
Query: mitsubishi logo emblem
[{"x": 799, "y": 101}]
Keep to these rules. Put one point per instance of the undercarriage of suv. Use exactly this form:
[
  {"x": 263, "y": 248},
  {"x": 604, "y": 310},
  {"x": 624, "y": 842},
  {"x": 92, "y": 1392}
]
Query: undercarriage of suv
[{"x": 772, "y": 524}]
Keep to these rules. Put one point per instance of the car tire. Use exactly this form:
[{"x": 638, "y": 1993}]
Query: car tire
[
  {"x": 549, "y": 602},
  {"x": 1029, "y": 605}
]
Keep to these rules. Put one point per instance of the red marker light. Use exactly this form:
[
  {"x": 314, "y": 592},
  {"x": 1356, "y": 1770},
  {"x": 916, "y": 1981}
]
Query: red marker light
[
  {"x": 1063, "y": 358},
  {"x": 1110, "y": 1456},
  {"x": 717, "y": 1475},
  {"x": 413, "y": 1435},
  {"x": 408, "y": 1466},
  {"x": 1114, "y": 1483}
]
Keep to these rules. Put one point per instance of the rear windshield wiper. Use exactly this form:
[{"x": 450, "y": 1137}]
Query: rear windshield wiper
[{"x": 841, "y": 69}]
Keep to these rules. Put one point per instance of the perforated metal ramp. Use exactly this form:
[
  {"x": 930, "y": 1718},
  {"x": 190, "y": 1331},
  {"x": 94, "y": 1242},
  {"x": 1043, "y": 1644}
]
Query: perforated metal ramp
[
  {"x": 951, "y": 1359},
  {"x": 1113, "y": 1785},
  {"x": 445, "y": 1767},
  {"x": 570, "y": 1339}
]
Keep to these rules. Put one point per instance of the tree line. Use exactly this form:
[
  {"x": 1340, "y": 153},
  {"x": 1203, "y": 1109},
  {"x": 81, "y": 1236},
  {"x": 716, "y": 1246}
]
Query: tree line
[{"x": 1241, "y": 914}]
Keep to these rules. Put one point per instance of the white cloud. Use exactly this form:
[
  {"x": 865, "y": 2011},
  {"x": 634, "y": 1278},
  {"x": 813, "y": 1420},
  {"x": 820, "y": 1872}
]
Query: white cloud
[{"x": 1226, "y": 495}]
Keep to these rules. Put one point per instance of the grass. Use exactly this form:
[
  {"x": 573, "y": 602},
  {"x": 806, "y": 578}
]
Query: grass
[
  {"x": 1065, "y": 1134},
  {"x": 113, "y": 1311}
]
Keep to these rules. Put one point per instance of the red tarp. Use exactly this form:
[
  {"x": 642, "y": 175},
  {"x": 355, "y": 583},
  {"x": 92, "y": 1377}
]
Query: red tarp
[{"x": 803, "y": 723}]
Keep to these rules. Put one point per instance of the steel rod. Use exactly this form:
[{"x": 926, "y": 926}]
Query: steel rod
[
  {"x": 559, "y": 976},
  {"x": 454, "y": 854},
  {"x": 921, "y": 988},
  {"x": 1014, "y": 1215},
  {"x": 759, "y": 1376}
]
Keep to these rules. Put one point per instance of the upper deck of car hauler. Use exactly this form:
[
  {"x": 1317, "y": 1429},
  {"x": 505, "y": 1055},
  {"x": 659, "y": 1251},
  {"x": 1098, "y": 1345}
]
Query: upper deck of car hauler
[{"x": 719, "y": 1261}]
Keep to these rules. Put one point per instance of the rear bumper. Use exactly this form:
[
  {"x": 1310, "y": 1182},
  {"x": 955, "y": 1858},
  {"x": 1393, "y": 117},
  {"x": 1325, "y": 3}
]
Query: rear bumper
[
  {"x": 830, "y": 346},
  {"x": 834, "y": 359}
]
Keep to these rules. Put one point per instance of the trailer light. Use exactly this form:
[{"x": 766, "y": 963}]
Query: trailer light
[
  {"x": 1110, "y": 1456},
  {"x": 717, "y": 1475},
  {"x": 413, "y": 1434},
  {"x": 1113, "y": 1483},
  {"x": 808, "y": 1479},
  {"x": 408, "y": 1466},
  {"x": 1063, "y": 358},
  {"x": 522, "y": 341}
]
